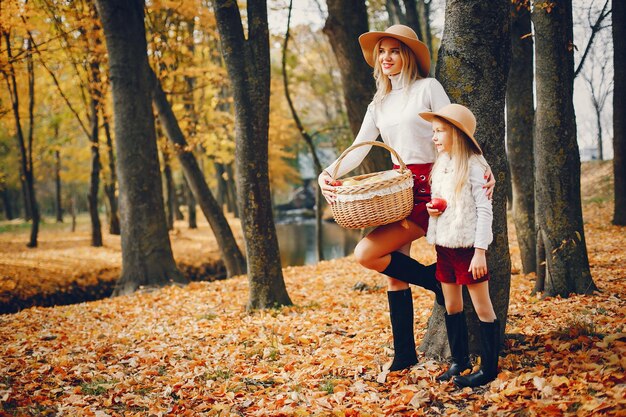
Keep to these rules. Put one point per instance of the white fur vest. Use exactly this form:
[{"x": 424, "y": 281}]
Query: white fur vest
[{"x": 456, "y": 227}]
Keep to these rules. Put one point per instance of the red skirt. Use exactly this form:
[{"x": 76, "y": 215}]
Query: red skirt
[
  {"x": 453, "y": 265},
  {"x": 421, "y": 194}
]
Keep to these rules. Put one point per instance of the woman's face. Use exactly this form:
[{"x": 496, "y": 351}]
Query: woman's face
[
  {"x": 389, "y": 56},
  {"x": 442, "y": 135}
]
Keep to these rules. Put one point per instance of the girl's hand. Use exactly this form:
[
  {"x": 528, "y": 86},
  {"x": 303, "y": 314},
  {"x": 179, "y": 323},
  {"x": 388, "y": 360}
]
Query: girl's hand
[
  {"x": 478, "y": 266},
  {"x": 491, "y": 183},
  {"x": 431, "y": 211},
  {"x": 327, "y": 185}
]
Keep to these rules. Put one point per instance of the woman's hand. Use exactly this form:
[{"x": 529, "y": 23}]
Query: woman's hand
[
  {"x": 491, "y": 183},
  {"x": 327, "y": 185},
  {"x": 432, "y": 211},
  {"x": 478, "y": 266}
]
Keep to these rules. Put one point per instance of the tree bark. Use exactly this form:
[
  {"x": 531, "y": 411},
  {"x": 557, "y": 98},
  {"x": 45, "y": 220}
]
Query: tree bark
[
  {"x": 191, "y": 206},
  {"x": 248, "y": 65},
  {"x": 473, "y": 67},
  {"x": 520, "y": 112},
  {"x": 57, "y": 181},
  {"x": 558, "y": 211},
  {"x": 346, "y": 21},
  {"x": 231, "y": 187},
  {"x": 233, "y": 259},
  {"x": 619, "y": 112},
  {"x": 147, "y": 258},
  {"x": 413, "y": 18},
  {"x": 109, "y": 187},
  {"x": 169, "y": 191},
  {"x": 94, "y": 137},
  {"x": 6, "y": 202}
]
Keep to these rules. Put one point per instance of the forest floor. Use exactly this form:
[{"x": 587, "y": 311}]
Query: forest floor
[{"x": 194, "y": 350}]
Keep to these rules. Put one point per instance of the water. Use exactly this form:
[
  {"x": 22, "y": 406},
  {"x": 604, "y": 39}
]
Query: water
[{"x": 298, "y": 247}]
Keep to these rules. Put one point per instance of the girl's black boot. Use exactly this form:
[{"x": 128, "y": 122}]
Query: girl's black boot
[
  {"x": 456, "y": 328},
  {"x": 407, "y": 269},
  {"x": 401, "y": 313},
  {"x": 490, "y": 344}
]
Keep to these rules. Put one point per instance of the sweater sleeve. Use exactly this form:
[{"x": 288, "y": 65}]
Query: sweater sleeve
[
  {"x": 368, "y": 132},
  {"x": 484, "y": 211}
]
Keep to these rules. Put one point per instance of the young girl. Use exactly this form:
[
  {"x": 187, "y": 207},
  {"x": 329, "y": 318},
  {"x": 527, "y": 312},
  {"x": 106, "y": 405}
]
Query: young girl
[
  {"x": 461, "y": 233},
  {"x": 401, "y": 65}
]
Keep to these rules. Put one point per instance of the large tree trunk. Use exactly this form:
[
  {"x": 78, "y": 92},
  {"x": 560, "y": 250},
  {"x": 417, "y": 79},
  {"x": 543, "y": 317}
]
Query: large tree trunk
[
  {"x": 248, "y": 64},
  {"x": 109, "y": 187},
  {"x": 520, "y": 112},
  {"x": 347, "y": 19},
  {"x": 232, "y": 256},
  {"x": 558, "y": 212},
  {"x": 619, "y": 112},
  {"x": 94, "y": 184},
  {"x": 57, "y": 188},
  {"x": 146, "y": 251},
  {"x": 473, "y": 67}
]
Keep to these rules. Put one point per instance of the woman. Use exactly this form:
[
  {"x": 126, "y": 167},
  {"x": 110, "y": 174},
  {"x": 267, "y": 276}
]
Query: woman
[{"x": 401, "y": 64}]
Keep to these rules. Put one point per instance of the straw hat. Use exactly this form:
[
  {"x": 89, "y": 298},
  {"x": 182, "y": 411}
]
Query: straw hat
[
  {"x": 459, "y": 116},
  {"x": 404, "y": 34}
]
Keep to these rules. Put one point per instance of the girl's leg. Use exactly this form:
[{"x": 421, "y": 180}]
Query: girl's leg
[
  {"x": 489, "y": 338},
  {"x": 456, "y": 328},
  {"x": 382, "y": 251},
  {"x": 479, "y": 293}
]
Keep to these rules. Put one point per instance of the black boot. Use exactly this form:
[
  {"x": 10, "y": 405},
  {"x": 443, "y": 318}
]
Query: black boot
[
  {"x": 401, "y": 313},
  {"x": 456, "y": 327},
  {"x": 407, "y": 269},
  {"x": 490, "y": 344}
]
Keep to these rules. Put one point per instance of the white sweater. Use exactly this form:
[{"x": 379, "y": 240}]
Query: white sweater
[
  {"x": 396, "y": 119},
  {"x": 466, "y": 222}
]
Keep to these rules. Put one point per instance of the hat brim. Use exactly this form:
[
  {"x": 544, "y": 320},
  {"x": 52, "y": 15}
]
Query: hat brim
[
  {"x": 430, "y": 116},
  {"x": 368, "y": 42}
]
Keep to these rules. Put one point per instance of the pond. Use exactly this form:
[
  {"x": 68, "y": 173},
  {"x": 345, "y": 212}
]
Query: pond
[{"x": 298, "y": 247}]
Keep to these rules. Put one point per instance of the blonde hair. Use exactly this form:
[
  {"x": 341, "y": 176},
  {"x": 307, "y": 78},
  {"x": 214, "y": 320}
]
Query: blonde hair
[
  {"x": 408, "y": 73},
  {"x": 460, "y": 153}
]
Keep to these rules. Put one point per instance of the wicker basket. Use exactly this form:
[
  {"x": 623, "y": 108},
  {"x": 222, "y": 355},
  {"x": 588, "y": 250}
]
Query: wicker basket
[{"x": 374, "y": 203}]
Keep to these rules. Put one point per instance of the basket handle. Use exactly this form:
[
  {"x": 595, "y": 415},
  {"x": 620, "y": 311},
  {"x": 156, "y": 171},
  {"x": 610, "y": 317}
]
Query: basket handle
[{"x": 374, "y": 143}]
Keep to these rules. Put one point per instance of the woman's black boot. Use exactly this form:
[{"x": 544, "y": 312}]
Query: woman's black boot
[
  {"x": 456, "y": 327},
  {"x": 401, "y": 313},
  {"x": 490, "y": 344},
  {"x": 407, "y": 269}
]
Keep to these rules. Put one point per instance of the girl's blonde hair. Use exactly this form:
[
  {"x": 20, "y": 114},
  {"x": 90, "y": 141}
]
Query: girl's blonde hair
[
  {"x": 409, "y": 73},
  {"x": 460, "y": 153}
]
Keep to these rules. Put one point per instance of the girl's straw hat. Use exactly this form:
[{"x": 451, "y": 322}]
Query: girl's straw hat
[
  {"x": 459, "y": 116},
  {"x": 404, "y": 34}
]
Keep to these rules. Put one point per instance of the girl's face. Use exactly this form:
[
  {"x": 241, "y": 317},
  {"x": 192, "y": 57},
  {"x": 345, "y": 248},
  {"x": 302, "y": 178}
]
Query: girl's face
[
  {"x": 442, "y": 135},
  {"x": 389, "y": 56}
]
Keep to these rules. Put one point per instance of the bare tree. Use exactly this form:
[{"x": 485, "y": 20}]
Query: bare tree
[{"x": 619, "y": 112}]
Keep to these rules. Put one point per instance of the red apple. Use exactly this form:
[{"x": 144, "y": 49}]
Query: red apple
[
  {"x": 334, "y": 183},
  {"x": 439, "y": 204}
]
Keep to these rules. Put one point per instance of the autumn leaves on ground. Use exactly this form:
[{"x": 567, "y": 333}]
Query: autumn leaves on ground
[{"x": 195, "y": 351}]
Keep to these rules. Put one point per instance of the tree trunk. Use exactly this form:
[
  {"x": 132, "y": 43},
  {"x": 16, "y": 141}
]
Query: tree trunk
[
  {"x": 221, "y": 184},
  {"x": 94, "y": 184},
  {"x": 558, "y": 212},
  {"x": 413, "y": 18},
  {"x": 6, "y": 202},
  {"x": 232, "y": 256},
  {"x": 520, "y": 112},
  {"x": 169, "y": 191},
  {"x": 346, "y": 21},
  {"x": 191, "y": 205},
  {"x": 248, "y": 65},
  {"x": 231, "y": 187},
  {"x": 394, "y": 12},
  {"x": 599, "y": 126},
  {"x": 30, "y": 175},
  {"x": 57, "y": 176},
  {"x": 424, "y": 14},
  {"x": 619, "y": 112},
  {"x": 147, "y": 258},
  {"x": 109, "y": 187},
  {"x": 473, "y": 67}
]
